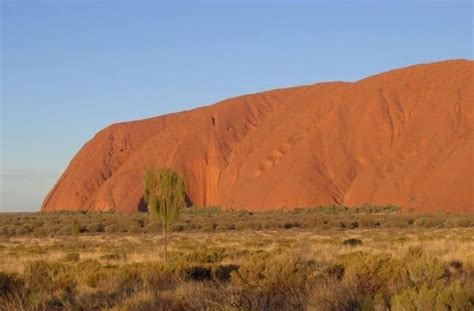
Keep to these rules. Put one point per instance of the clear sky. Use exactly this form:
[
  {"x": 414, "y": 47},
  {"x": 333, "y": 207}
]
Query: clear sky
[{"x": 70, "y": 68}]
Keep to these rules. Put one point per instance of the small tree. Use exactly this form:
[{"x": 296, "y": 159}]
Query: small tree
[{"x": 164, "y": 196}]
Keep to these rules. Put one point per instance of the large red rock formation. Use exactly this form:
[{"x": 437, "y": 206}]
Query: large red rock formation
[{"x": 403, "y": 137}]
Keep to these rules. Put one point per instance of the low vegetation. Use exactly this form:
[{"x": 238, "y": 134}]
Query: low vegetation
[
  {"x": 328, "y": 258},
  {"x": 216, "y": 220}
]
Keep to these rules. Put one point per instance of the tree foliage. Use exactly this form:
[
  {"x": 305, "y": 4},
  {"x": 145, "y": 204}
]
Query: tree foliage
[{"x": 164, "y": 194}]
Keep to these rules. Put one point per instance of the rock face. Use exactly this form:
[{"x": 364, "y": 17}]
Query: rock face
[{"x": 403, "y": 137}]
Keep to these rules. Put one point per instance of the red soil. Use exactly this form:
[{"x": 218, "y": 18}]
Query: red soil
[{"x": 403, "y": 137}]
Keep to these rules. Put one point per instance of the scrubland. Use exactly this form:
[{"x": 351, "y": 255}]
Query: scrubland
[{"x": 328, "y": 258}]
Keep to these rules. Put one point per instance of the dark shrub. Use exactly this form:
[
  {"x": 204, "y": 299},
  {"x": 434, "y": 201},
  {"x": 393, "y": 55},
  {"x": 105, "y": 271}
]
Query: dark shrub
[
  {"x": 197, "y": 273},
  {"x": 291, "y": 225},
  {"x": 9, "y": 284},
  {"x": 222, "y": 273},
  {"x": 352, "y": 242},
  {"x": 456, "y": 264},
  {"x": 415, "y": 252},
  {"x": 72, "y": 256},
  {"x": 354, "y": 225},
  {"x": 177, "y": 228},
  {"x": 114, "y": 256},
  {"x": 335, "y": 270}
]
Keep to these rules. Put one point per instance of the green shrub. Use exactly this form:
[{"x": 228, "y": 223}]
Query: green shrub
[
  {"x": 462, "y": 222},
  {"x": 451, "y": 297},
  {"x": 127, "y": 278},
  {"x": 177, "y": 228},
  {"x": 367, "y": 208},
  {"x": 41, "y": 276},
  {"x": 53, "y": 229},
  {"x": 158, "y": 277},
  {"x": 64, "y": 230},
  {"x": 37, "y": 223},
  {"x": 366, "y": 274},
  {"x": 368, "y": 221},
  {"x": 76, "y": 228},
  {"x": 114, "y": 228},
  {"x": 8, "y": 231},
  {"x": 96, "y": 280},
  {"x": 396, "y": 223},
  {"x": 134, "y": 228},
  {"x": 95, "y": 227},
  {"x": 455, "y": 297},
  {"x": 22, "y": 230},
  {"x": 268, "y": 225},
  {"x": 40, "y": 232},
  {"x": 427, "y": 222},
  {"x": 426, "y": 271},
  {"x": 226, "y": 226},
  {"x": 138, "y": 301},
  {"x": 412, "y": 299},
  {"x": 152, "y": 227},
  {"x": 272, "y": 282},
  {"x": 376, "y": 303},
  {"x": 331, "y": 294},
  {"x": 209, "y": 227}
]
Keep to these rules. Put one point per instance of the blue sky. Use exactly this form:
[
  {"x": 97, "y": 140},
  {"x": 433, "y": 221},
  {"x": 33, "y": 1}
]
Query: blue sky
[{"x": 70, "y": 68}]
